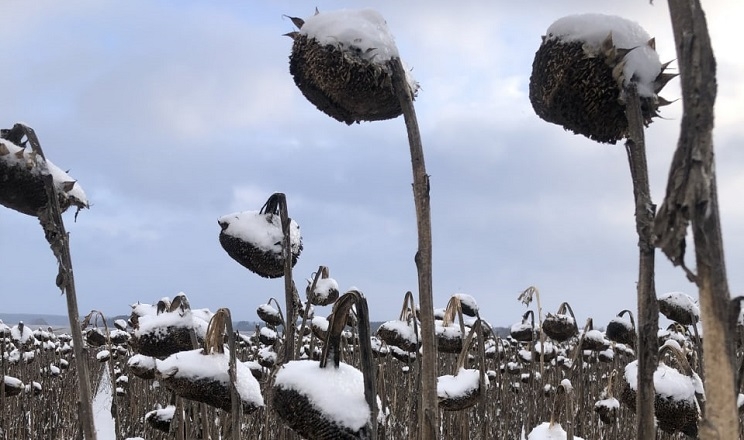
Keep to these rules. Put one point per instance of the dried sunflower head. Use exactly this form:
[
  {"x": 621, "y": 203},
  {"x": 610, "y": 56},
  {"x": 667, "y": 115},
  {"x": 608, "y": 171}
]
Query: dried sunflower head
[
  {"x": 255, "y": 238},
  {"x": 22, "y": 178},
  {"x": 582, "y": 68},
  {"x": 341, "y": 62}
]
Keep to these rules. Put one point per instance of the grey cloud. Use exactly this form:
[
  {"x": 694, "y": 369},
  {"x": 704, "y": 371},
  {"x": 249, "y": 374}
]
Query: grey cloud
[{"x": 170, "y": 124}]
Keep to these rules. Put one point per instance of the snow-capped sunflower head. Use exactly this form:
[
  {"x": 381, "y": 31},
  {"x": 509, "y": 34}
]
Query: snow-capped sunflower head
[
  {"x": 341, "y": 62},
  {"x": 582, "y": 69},
  {"x": 22, "y": 173}
]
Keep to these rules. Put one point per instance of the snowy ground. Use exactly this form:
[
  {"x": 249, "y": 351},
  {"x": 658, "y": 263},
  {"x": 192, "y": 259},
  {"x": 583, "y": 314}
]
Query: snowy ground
[{"x": 102, "y": 409}]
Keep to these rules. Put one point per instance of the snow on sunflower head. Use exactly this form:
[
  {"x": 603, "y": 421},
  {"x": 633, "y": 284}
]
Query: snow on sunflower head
[{"x": 581, "y": 70}]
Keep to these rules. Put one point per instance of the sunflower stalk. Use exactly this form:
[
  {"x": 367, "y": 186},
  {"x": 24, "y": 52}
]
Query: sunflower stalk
[
  {"x": 310, "y": 293},
  {"x": 51, "y": 221},
  {"x": 235, "y": 406},
  {"x": 428, "y": 413},
  {"x": 526, "y": 298},
  {"x": 692, "y": 198},
  {"x": 569, "y": 412},
  {"x": 289, "y": 286},
  {"x": 366, "y": 358},
  {"x": 648, "y": 309}
]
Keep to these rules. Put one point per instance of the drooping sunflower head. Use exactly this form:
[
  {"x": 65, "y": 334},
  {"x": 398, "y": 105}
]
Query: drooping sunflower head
[
  {"x": 582, "y": 68},
  {"x": 340, "y": 61}
]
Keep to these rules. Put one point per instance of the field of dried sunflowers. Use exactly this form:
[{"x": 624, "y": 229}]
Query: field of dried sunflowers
[
  {"x": 177, "y": 372},
  {"x": 567, "y": 373}
]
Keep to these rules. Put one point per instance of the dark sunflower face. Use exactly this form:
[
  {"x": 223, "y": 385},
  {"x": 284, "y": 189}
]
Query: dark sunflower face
[
  {"x": 341, "y": 62},
  {"x": 22, "y": 184},
  {"x": 580, "y": 85},
  {"x": 581, "y": 93},
  {"x": 342, "y": 84},
  {"x": 254, "y": 240}
]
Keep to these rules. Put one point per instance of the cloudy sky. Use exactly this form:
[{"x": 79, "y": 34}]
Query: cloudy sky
[{"x": 174, "y": 113}]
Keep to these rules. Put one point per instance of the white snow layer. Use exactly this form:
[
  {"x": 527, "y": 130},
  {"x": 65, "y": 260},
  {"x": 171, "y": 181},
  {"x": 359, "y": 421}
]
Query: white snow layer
[
  {"x": 324, "y": 287},
  {"x": 596, "y": 336},
  {"x": 164, "y": 414},
  {"x": 610, "y": 402},
  {"x": 157, "y": 325},
  {"x": 567, "y": 385},
  {"x": 261, "y": 230},
  {"x": 193, "y": 364},
  {"x": 59, "y": 177},
  {"x": 361, "y": 31},
  {"x": 668, "y": 382},
  {"x": 520, "y": 326},
  {"x": 549, "y": 348},
  {"x": 609, "y": 353},
  {"x": 451, "y": 331},
  {"x": 463, "y": 384},
  {"x": 402, "y": 328},
  {"x": 643, "y": 65},
  {"x": 568, "y": 319},
  {"x": 268, "y": 333},
  {"x": 619, "y": 320},
  {"x": 12, "y": 382},
  {"x": 683, "y": 301},
  {"x": 338, "y": 393},
  {"x": 547, "y": 431},
  {"x": 321, "y": 322},
  {"x": 268, "y": 309},
  {"x": 141, "y": 361},
  {"x": 104, "y": 423},
  {"x": 467, "y": 300},
  {"x": 378, "y": 346},
  {"x": 267, "y": 354},
  {"x": 21, "y": 333}
]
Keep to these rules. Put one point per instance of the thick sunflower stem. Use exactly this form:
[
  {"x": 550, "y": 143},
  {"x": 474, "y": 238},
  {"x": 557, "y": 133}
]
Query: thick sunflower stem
[
  {"x": 428, "y": 416},
  {"x": 51, "y": 220},
  {"x": 692, "y": 198},
  {"x": 235, "y": 403},
  {"x": 648, "y": 308},
  {"x": 289, "y": 286}
]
